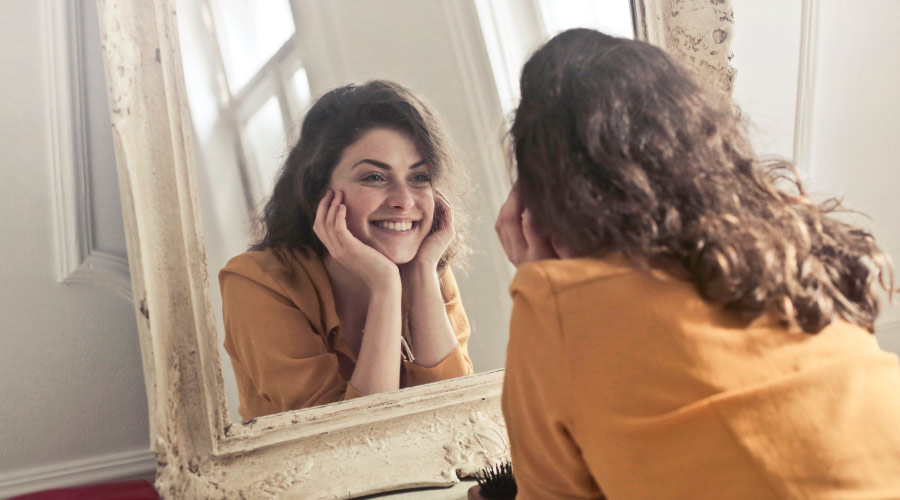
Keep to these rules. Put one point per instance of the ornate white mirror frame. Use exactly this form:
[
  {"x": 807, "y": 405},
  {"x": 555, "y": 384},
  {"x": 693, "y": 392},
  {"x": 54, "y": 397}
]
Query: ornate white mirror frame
[{"x": 423, "y": 436}]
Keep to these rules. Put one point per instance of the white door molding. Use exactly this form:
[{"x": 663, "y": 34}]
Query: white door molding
[
  {"x": 118, "y": 466},
  {"x": 77, "y": 258},
  {"x": 803, "y": 121}
]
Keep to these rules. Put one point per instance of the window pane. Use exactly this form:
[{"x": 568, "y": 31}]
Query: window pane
[
  {"x": 300, "y": 87},
  {"x": 250, "y": 33},
  {"x": 263, "y": 139},
  {"x": 612, "y": 17}
]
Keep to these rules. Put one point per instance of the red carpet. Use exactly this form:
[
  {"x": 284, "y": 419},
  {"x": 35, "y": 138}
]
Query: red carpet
[{"x": 125, "y": 490}]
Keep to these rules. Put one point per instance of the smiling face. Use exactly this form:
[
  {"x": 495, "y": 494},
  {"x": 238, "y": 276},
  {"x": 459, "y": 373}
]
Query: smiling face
[{"x": 388, "y": 193}]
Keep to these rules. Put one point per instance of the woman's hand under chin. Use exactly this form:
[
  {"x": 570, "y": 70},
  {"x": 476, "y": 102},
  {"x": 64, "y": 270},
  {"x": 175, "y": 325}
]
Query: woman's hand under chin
[
  {"x": 520, "y": 239},
  {"x": 438, "y": 240},
  {"x": 366, "y": 262}
]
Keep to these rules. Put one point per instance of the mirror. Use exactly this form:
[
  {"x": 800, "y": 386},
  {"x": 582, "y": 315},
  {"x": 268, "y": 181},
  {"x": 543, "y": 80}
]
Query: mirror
[
  {"x": 252, "y": 70},
  {"x": 429, "y": 435}
]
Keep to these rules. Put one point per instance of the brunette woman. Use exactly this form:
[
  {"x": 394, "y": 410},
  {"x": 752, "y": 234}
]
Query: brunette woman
[
  {"x": 687, "y": 323},
  {"x": 349, "y": 291}
]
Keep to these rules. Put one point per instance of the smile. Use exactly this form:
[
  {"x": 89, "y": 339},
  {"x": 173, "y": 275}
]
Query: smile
[{"x": 395, "y": 226}]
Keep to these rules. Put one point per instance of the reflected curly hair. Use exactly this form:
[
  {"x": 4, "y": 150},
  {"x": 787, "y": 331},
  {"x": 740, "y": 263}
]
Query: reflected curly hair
[
  {"x": 620, "y": 149},
  {"x": 335, "y": 121}
]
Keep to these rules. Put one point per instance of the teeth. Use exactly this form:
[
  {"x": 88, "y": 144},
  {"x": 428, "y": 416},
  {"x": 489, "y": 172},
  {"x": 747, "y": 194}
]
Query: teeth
[{"x": 395, "y": 226}]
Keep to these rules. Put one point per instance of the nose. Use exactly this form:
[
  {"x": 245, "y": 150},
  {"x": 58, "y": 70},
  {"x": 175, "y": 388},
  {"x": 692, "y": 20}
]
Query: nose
[{"x": 400, "y": 197}]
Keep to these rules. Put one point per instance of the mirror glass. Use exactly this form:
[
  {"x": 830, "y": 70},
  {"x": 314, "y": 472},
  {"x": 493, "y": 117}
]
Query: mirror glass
[{"x": 252, "y": 69}]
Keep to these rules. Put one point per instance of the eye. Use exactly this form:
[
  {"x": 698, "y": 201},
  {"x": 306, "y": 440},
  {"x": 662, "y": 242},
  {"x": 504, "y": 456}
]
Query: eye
[
  {"x": 374, "y": 177},
  {"x": 421, "y": 178}
]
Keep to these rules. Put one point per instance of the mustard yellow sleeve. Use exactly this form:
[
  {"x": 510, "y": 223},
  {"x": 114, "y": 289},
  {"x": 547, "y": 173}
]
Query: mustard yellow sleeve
[
  {"x": 457, "y": 363},
  {"x": 280, "y": 362},
  {"x": 536, "y": 397}
]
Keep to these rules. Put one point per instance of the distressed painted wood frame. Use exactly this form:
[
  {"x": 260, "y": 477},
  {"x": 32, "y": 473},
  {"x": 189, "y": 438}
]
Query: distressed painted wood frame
[{"x": 423, "y": 436}]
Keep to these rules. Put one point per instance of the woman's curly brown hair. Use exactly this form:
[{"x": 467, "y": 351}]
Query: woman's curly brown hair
[
  {"x": 619, "y": 149},
  {"x": 335, "y": 121}
]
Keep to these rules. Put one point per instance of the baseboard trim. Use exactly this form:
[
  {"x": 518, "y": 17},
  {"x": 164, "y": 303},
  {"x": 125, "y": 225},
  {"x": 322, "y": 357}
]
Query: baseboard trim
[{"x": 135, "y": 464}]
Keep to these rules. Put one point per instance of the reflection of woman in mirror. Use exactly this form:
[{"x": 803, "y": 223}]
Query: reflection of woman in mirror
[
  {"x": 349, "y": 292},
  {"x": 686, "y": 322}
]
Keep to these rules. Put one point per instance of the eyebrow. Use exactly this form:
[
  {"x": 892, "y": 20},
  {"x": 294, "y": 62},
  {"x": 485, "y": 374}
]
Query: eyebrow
[{"x": 385, "y": 166}]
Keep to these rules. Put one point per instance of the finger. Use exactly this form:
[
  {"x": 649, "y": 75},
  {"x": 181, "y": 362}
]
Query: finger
[
  {"x": 347, "y": 241},
  {"x": 333, "y": 208},
  {"x": 337, "y": 243},
  {"x": 503, "y": 215},
  {"x": 516, "y": 238},
  {"x": 513, "y": 241},
  {"x": 514, "y": 201},
  {"x": 319, "y": 226},
  {"x": 509, "y": 229},
  {"x": 333, "y": 242},
  {"x": 340, "y": 223},
  {"x": 443, "y": 213},
  {"x": 322, "y": 209}
]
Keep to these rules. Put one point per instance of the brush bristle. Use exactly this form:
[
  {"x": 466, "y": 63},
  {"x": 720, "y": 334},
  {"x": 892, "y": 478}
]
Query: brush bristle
[{"x": 497, "y": 482}]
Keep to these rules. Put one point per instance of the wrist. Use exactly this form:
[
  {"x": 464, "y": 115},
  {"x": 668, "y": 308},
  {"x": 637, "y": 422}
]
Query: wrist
[
  {"x": 418, "y": 272},
  {"x": 386, "y": 280}
]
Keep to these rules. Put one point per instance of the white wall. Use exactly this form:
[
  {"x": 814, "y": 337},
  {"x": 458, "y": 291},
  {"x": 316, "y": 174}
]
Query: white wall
[
  {"x": 766, "y": 50},
  {"x": 857, "y": 106},
  {"x": 72, "y": 400},
  {"x": 850, "y": 121}
]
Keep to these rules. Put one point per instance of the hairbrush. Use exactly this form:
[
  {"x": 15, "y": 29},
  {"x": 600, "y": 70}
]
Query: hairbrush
[{"x": 497, "y": 482}]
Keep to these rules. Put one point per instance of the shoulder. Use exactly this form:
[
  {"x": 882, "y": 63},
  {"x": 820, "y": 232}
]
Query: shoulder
[
  {"x": 607, "y": 289},
  {"x": 564, "y": 275},
  {"x": 295, "y": 277},
  {"x": 273, "y": 267}
]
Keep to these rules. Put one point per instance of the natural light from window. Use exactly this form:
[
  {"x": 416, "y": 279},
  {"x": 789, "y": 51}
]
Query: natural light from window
[{"x": 249, "y": 33}]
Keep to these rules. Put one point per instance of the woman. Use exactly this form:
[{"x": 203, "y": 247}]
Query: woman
[
  {"x": 686, "y": 322},
  {"x": 351, "y": 273}
]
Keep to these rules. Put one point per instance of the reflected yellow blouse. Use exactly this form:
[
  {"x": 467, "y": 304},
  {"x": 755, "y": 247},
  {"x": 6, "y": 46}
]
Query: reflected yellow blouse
[
  {"x": 284, "y": 336},
  {"x": 632, "y": 386}
]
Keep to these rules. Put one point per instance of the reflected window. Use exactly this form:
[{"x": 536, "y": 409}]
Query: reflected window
[
  {"x": 247, "y": 86},
  {"x": 612, "y": 17},
  {"x": 301, "y": 93},
  {"x": 249, "y": 33},
  {"x": 512, "y": 29},
  {"x": 264, "y": 142}
]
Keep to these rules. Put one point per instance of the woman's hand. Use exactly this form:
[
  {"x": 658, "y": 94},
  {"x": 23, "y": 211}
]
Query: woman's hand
[
  {"x": 474, "y": 493},
  {"x": 442, "y": 233},
  {"x": 361, "y": 259},
  {"x": 433, "y": 337},
  {"x": 520, "y": 239}
]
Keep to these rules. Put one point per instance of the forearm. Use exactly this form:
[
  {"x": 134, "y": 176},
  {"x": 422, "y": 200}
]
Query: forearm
[
  {"x": 378, "y": 365},
  {"x": 432, "y": 335}
]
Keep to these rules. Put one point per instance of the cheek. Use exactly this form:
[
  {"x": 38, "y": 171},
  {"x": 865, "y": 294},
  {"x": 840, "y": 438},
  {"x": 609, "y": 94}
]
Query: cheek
[{"x": 360, "y": 205}]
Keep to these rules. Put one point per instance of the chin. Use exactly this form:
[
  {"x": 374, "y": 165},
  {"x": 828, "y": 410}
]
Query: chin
[
  {"x": 399, "y": 258},
  {"x": 398, "y": 252}
]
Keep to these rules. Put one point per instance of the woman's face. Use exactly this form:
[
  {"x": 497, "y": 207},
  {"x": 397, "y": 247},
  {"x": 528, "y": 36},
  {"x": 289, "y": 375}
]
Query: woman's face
[{"x": 388, "y": 193}]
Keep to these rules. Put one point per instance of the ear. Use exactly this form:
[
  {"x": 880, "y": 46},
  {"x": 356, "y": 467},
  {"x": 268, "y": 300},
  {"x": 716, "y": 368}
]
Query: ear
[{"x": 560, "y": 248}]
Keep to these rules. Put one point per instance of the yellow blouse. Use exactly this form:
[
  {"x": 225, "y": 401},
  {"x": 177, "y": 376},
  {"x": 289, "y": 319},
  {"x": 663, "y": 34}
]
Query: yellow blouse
[
  {"x": 284, "y": 336},
  {"x": 631, "y": 384}
]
